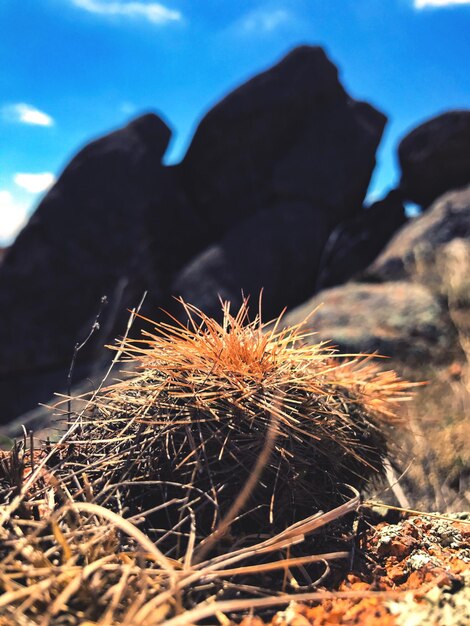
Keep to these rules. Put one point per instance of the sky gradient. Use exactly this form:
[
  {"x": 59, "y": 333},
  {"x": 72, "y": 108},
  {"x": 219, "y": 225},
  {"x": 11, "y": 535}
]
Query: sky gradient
[{"x": 73, "y": 70}]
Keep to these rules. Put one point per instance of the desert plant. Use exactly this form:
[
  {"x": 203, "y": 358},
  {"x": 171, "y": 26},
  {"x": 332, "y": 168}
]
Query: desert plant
[
  {"x": 217, "y": 449},
  {"x": 177, "y": 441}
]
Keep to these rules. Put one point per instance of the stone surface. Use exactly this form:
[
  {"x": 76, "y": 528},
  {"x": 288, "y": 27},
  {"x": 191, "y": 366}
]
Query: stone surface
[
  {"x": 413, "y": 251},
  {"x": 402, "y": 320},
  {"x": 452, "y": 269},
  {"x": 95, "y": 233},
  {"x": 276, "y": 250},
  {"x": 289, "y": 134},
  {"x": 435, "y": 157},
  {"x": 273, "y": 168},
  {"x": 355, "y": 243}
]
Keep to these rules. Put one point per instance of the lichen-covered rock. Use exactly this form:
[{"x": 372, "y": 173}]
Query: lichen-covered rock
[
  {"x": 402, "y": 320},
  {"x": 412, "y": 253}
]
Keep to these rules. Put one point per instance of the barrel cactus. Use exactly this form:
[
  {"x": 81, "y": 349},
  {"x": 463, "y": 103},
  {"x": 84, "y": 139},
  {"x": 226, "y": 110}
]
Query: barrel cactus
[{"x": 174, "y": 443}]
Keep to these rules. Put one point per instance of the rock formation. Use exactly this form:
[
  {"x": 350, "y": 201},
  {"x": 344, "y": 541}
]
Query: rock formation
[
  {"x": 400, "y": 319},
  {"x": 269, "y": 196},
  {"x": 276, "y": 250},
  {"x": 271, "y": 171},
  {"x": 410, "y": 302},
  {"x": 435, "y": 157},
  {"x": 290, "y": 133},
  {"x": 356, "y": 242},
  {"x": 412, "y": 253},
  {"x": 276, "y": 165},
  {"x": 95, "y": 233}
]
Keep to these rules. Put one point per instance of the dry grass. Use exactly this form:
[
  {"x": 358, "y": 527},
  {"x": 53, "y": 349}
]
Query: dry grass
[
  {"x": 191, "y": 488},
  {"x": 85, "y": 564},
  {"x": 439, "y": 474}
]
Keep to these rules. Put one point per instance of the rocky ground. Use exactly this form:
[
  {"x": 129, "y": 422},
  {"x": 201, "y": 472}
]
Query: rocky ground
[{"x": 415, "y": 572}]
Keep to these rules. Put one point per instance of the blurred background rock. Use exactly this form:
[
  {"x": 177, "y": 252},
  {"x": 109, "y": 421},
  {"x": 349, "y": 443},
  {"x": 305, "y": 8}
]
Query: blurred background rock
[{"x": 270, "y": 196}]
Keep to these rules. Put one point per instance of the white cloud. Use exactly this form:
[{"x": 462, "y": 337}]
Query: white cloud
[
  {"x": 128, "y": 108},
  {"x": 424, "y": 4},
  {"x": 153, "y": 11},
  {"x": 35, "y": 183},
  {"x": 26, "y": 114},
  {"x": 13, "y": 216},
  {"x": 264, "y": 20}
]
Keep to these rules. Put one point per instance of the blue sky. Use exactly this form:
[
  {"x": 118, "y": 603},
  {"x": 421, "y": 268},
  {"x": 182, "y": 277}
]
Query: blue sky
[{"x": 72, "y": 70}]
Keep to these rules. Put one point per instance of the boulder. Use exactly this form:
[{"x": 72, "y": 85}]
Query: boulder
[
  {"x": 412, "y": 253},
  {"x": 414, "y": 304},
  {"x": 435, "y": 157},
  {"x": 273, "y": 168},
  {"x": 290, "y": 133},
  {"x": 95, "y": 233},
  {"x": 355, "y": 243},
  {"x": 276, "y": 250},
  {"x": 452, "y": 269},
  {"x": 452, "y": 265},
  {"x": 271, "y": 171},
  {"x": 401, "y": 320}
]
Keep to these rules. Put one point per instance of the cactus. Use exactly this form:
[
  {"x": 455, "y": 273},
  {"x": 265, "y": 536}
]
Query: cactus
[{"x": 178, "y": 440}]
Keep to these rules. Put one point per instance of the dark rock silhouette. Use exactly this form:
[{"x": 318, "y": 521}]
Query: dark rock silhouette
[
  {"x": 271, "y": 171},
  {"x": 269, "y": 196},
  {"x": 435, "y": 157},
  {"x": 276, "y": 250},
  {"x": 356, "y": 242},
  {"x": 93, "y": 234},
  {"x": 276, "y": 165},
  {"x": 290, "y": 133}
]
